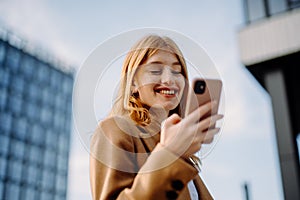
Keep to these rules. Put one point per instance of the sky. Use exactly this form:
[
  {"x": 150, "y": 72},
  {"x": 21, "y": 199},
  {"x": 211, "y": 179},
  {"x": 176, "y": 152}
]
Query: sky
[{"x": 246, "y": 150}]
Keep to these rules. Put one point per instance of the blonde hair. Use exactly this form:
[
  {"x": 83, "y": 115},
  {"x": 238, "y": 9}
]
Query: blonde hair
[{"x": 128, "y": 103}]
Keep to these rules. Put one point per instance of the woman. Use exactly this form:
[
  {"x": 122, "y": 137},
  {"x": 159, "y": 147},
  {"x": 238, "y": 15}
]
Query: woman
[{"x": 144, "y": 149}]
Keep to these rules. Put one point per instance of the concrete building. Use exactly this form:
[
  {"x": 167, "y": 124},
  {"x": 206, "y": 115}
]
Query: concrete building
[{"x": 270, "y": 50}]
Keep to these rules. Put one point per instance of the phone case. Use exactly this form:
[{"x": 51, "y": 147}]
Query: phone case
[{"x": 201, "y": 92}]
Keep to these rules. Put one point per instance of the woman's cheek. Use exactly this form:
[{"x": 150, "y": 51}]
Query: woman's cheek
[
  {"x": 181, "y": 84},
  {"x": 146, "y": 80}
]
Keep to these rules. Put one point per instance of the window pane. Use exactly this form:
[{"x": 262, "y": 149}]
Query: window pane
[
  {"x": 46, "y": 196},
  {"x": 59, "y": 120},
  {"x": 277, "y": 6},
  {"x": 67, "y": 125},
  {"x": 69, "y": 107},
  {"x": 36, "y": 135},
  {"x": 15, "y": 103},
  {"x": 6, "y": 121},
  {"x": 55, "y": 79},
  {"x": 15, "y": 170},
  {"x": 2, "y": 53},
  {"x": 50, "y": 158},
  {"x": 46, "y": 115},
  {"x": 1, "y": 187},
  {"x": 48, "y": 180},
  {"x": 48, "y": 96},
  {"x": 294, "y": 3},
  {"x": 12, "y": 59},
  {"x": 62, "y": 163},
  {"x": 60, "y": 102},
  {"x": 17, "y": 148},
  {"x": 29, "y": 193},
  {"x": 34, "y": 92},
  {"x": 35, "y": 154},
  {"x": 20, "y": 128},
  {"x": 32, "y": 174},
  {"x": 4, "y": 77},
  {"x": 17, "y": 84},
  {"x": 28, "y": 66},
  {"x": 256, "y": 10},
  {"x": 63, "y": 144},
  {"x": 3, "y": 98},
  {"x": 60, "y": 197},
  {"x": 12, "y": 191},
  {"x": 43, "y": 73},
  {"x": 61, "y": 183},
  {"x": 51, "y": 140},
  {"x": 32, "y": 111},
  {"x": 4, "y": 142},
  {"x": 2, "y": 167},
  {"x": 67, "y": 86}
]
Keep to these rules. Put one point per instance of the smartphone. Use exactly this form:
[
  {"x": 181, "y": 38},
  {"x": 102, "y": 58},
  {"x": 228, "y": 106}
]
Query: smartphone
[{"x": 203, "y": 91}]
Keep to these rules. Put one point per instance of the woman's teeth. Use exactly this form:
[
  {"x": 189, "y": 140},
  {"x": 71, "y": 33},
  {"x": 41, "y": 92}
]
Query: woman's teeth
[{"x": 169, "y": 92}]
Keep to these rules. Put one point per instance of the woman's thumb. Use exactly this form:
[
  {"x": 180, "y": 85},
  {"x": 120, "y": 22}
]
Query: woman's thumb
[{"x": 173, "y": 119}]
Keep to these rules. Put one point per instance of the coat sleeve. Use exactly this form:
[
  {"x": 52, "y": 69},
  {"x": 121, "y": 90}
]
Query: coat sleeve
[{"x": 114, "y": 173}]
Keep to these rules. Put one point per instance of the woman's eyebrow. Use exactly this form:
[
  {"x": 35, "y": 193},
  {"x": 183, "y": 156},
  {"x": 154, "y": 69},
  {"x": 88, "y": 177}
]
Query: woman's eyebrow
[
  {"x": 156, "y": 62},
  {"x": 159, "y": 62},
  {"x": 176, "y": 63}
]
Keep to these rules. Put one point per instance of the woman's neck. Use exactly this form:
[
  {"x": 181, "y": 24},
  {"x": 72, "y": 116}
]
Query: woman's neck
[{"x": 158, "y": 114}]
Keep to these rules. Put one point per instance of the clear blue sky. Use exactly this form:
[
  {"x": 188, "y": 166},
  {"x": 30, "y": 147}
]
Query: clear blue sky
[{"x": 246, "y": 151}]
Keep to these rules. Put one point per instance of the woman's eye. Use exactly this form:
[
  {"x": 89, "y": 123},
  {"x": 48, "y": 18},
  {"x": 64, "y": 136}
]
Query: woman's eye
[
  {"x": 156, "y": 72},
  {"x": 176, "y": 72}
]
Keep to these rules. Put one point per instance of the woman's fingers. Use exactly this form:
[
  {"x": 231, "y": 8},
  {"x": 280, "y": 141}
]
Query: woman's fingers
[
  {"x": 208, "y": 122},
  {"x": 202, "y": 110},
  {"x": 209, "y": 135},
  {"x": 173, "y": 119},
  {"x": 205, "y": 134},
  {"x": 202, "y": 138},
  {"x": 185, "y": 136},
  {"x": 169, "y": 132}
]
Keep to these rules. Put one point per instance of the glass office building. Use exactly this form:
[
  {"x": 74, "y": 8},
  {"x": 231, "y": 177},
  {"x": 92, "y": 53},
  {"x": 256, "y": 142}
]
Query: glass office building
[{"x": 35, "y": 126}]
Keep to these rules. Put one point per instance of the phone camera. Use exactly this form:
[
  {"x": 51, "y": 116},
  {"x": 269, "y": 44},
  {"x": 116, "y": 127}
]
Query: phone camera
[{"x": 200, "y": 87}]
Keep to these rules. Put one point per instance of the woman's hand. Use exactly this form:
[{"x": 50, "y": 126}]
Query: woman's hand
[{"x": 184, "y": 137}]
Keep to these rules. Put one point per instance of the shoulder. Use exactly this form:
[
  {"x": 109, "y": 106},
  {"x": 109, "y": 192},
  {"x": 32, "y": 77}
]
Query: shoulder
[
  {"x": 111, "y": 146},
  {"x": 117, "y": 130},
  {"x": 117, "y": 124}
]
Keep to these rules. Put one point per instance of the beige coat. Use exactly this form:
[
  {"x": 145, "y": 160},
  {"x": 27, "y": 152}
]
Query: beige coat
[{"x": 128, "y": 162}]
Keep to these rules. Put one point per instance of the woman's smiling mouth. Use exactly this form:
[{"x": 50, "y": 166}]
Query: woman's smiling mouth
[
  {"x": 169, "y": 92},
  {"x": 166, "y": 91}
]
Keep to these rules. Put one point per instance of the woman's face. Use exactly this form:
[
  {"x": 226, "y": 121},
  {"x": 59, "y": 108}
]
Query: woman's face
[{"x": 159, "y": 81}]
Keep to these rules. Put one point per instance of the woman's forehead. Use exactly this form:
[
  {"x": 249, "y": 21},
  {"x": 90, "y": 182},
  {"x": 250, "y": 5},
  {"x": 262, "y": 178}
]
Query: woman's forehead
[{"x": 163, "y": 56}]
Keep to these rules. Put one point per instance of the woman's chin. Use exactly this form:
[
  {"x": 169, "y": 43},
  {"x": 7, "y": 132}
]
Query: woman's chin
[
  {"x": 169, "y": 106},
  {"x": 161, "y": 107}
]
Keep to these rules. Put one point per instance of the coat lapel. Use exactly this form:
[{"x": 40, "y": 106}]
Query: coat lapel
[{"x": 203, "y": 192}]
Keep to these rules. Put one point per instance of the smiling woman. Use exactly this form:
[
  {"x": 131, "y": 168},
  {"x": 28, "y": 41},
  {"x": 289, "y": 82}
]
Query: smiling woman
[
  {"x": 144, "y": 149},
  {"x": 143, "y": 68}
]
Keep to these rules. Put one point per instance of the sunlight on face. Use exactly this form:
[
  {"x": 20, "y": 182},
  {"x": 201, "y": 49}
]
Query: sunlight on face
[{"x": 159, "y": 81}]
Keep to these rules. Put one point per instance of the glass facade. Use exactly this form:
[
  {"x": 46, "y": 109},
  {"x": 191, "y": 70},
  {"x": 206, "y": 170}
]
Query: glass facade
[
  {"x": 259, "y": 9},
  {"x": 35, "y": 115}
]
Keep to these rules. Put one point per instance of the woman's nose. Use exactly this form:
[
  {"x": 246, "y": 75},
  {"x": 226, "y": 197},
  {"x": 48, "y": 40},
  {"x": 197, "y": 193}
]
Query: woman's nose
[{"x": 167, "y": 76}]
